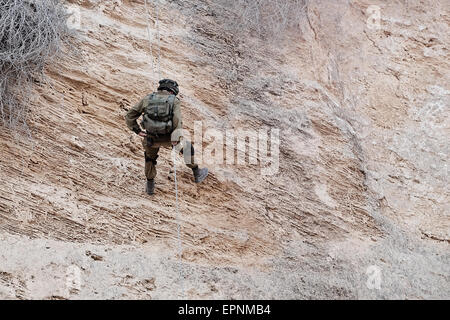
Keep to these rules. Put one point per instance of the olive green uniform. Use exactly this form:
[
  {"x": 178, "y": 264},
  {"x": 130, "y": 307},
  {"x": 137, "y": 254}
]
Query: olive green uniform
[{"x": 152, "y": 143}]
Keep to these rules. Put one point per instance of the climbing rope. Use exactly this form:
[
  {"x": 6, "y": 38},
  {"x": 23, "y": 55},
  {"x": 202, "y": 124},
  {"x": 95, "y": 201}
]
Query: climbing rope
[
  {"x": 158, "y": 38},
  {"x": 149, "y": 35},
  {"x": 180, "y": 248}
]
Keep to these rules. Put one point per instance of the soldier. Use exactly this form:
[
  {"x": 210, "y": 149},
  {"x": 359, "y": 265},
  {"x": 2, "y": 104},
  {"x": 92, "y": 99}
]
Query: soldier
[{"x": 162, "y": 123}]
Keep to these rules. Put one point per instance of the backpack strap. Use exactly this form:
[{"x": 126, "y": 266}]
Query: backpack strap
[
  {"x": 171, "y": 101},
  {"x": 150, "y": 97}
]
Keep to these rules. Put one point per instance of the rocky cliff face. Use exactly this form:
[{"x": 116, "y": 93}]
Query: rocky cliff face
[{"x": 361, "y": 102}]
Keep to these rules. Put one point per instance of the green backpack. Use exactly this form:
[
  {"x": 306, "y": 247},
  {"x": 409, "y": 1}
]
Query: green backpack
[{"x": 158, "y": 114}]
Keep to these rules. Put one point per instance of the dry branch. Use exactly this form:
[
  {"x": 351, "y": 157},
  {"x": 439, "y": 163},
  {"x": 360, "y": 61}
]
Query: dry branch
[{"x": 32, "y": 33}]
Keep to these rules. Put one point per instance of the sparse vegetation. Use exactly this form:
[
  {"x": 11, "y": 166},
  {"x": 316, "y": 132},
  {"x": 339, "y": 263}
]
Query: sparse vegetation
[
  {"x": 32, "y": 33},
  {"x": 266, "y": 18}
]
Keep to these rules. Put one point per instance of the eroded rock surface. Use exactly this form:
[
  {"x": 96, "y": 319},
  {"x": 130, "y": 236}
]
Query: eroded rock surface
[{"x": 362, "y": 181}]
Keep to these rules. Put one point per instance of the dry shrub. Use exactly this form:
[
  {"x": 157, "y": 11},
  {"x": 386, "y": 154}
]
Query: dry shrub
[
  {"x": 267, "y": 18},
  {"x": 32, "y": 34}
]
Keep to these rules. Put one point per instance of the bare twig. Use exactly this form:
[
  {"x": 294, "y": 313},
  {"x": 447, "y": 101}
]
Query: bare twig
[
  {"x": 267, "y": 18},
  {"x": 32, "y": 32}
]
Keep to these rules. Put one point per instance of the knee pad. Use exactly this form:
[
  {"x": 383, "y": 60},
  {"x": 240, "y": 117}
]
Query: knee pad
[{"x": 148, "y": 159}]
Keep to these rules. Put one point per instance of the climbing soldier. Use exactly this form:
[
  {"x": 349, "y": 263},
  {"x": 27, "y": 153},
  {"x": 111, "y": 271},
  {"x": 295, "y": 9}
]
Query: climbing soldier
[{"x": 163, "y": 126}]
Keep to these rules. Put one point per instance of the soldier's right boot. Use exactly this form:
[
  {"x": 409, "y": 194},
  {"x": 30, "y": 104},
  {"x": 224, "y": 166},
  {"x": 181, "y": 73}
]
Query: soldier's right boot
[
  {"x": 150, "y": 189},
  {"x": 200, "y": 174}
]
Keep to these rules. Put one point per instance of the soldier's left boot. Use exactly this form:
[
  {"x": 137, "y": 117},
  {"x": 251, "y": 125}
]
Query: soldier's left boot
[
  {"x": 200, "y": 174},
  {"x": 150, "y": 188}
]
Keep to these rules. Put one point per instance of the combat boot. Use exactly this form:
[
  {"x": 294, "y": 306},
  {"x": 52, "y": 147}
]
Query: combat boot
[
  {"x": 200, "y": 174},
  {"x": 150, "y": 189}
]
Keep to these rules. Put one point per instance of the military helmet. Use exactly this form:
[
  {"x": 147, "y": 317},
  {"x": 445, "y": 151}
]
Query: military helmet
[{"x": 167, "y": 84}]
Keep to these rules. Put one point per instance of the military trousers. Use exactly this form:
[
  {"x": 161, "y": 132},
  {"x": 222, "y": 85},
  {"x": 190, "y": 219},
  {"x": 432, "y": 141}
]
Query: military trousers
[{"x": 153, "y": 144}]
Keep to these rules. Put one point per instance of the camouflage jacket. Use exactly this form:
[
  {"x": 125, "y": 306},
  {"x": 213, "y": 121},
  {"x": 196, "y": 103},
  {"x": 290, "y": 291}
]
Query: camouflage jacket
[{"x": 135, "y": 112}]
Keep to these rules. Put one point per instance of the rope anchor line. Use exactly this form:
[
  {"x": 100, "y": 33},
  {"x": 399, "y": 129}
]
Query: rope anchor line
[
  {"x": 180, "y": 248},
  {"x": 149, "y": 34}
]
